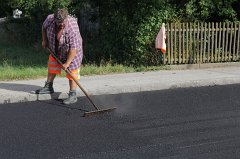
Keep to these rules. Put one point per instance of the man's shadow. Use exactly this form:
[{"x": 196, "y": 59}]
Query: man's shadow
[
  {"x": 56, "y": 96},
  {"x": 18, "y": 87},
  {"x": 30, "y": 89},
  {"x": 27, "y": 88}
]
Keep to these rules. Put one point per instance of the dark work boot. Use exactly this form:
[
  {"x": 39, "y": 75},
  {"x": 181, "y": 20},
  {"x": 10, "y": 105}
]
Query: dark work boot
[
  {"x": 47, "y": 89},
  {"x": 72, "y": 98}
]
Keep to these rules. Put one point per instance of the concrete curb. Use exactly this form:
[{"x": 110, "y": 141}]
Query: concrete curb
[
  {"x": 20, "y": 91},
  {"x": 204, "y": 66}
]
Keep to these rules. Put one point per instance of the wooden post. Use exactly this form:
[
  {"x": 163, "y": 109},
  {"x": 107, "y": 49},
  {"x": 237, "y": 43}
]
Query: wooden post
[
  {"x": 190, "y": 45},
  {"x": 205, "y": 41},
  {"x": 168, "y": 45},
  {"x": 212, "y": 48},
  {"x": 226, "y": 44},
  {"x": 183, "y": 44},
  {"x": 172, "y": 44},
  {"x": 215, "y": 47},
  {"x": 219, "y": 42},
  {"x": 201, "y": 44},
  {"x": 187, "y": 53},
  {"x": 175, "y": 43},
  {"x": 238, "y": 41},
  {"x": 209, "y": 35},
  {"x": 230, "y": 57},
  {"x": 179, "y": 44},
  {"x": 234, "y": 42},
  {"x": 223, "y": 43},
  {"x": 197, "y": 43}
]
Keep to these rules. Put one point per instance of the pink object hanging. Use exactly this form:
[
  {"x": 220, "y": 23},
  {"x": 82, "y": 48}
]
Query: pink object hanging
[{"x": 160, "y": 39}]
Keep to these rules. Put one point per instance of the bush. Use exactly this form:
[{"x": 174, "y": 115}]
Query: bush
[
  {"x": 24, "y": 30},
  {"x": 127, "y": 29},
  {"x": 128, "y": 36}
]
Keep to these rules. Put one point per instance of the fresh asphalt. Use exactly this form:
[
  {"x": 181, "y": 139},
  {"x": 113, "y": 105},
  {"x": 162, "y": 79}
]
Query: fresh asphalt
[{"x": 178, "y": 123}]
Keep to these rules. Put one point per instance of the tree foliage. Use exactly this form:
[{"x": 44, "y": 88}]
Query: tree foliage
[{"x": 126, "y": 29}]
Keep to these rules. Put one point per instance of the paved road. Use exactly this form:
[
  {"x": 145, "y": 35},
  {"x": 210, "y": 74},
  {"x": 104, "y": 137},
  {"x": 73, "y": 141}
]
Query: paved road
[{"x": 182, "y": 123}]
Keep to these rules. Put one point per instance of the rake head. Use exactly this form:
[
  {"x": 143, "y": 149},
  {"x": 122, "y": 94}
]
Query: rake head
[{"x": 100, "y": 111}]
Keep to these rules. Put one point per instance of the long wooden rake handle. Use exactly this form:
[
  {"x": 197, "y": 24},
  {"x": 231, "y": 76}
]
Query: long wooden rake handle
[{"x": 75, "y": 80}]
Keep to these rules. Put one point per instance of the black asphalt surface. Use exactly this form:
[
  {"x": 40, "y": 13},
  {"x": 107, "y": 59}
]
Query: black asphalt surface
[{"x": 189, "y": 123}]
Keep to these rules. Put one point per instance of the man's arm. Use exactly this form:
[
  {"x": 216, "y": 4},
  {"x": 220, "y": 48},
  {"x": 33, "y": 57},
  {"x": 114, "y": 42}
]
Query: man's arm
[
  {"x": 44, "y": 37},
  {"x": 71, "y": 56}
]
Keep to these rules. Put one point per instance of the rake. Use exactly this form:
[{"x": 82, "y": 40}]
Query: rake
[{"x": 89, "y": 113}]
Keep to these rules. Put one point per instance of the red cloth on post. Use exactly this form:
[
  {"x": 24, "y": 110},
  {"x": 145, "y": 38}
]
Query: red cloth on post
[{"x": 160, "y": 39}]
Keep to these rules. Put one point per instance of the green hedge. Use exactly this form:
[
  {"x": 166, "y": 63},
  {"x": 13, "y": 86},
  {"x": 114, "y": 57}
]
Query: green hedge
[{"x": 127, "y": 29}]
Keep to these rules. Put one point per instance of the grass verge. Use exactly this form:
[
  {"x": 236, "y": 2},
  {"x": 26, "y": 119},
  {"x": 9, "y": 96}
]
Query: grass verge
[{"x": 21, "y": 63}]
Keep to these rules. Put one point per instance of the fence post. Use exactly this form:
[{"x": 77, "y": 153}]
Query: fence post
[
  {"x": 216, "y": 37},
  {"x": 168, "y": 44},
  {"x": 201, "y": 44},
  {"x": 187, "y": 52},
  {"x": 223, "y": 43},
  {"x": 205, "y": 41},
  {"x": 190, "y": 45},
  {"x": 226, "y": 45},
  {"x": 234, "y": 42},
  {"x": 212, "y": 46},
  {"x": 172, "y": 44},
  {"x": 175, "y": 43},
  {"x": 183, "y": 43},
  {"x": 219, "y": 41},
  {"x": 238, "y": 41},
  {"x": 230, "y": 57}
]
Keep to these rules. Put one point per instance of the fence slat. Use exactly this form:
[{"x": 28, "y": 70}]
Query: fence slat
[
  {"x": 234, "y": 42},
  {"x": 208, "y": 54},
  {"x": 168, "y": 45},
  {"x": 238, "y": 41},
  {"x": 223, "y": 43},
  {"x": 187, "y": 53},
  {"x": 215, "y": 46},
  {"x": 197, "y": 43},
  {"x": 175, "y": 44},
  {"x": 226, "y": 44},
  {"x": 179, "y": 44},
  {"x": 183, "y": 43},
  {"x": 194, "y": 42},
  {"x": 190, "y": 45},
  {"x": 230, "y": 43},
  {"x": 212, "y": 46},
  {"x": 201, "y": 46},
  {"x": 172, "y": 44},
  {"x": 219, "y": 42},
  {"x": 205, "y": 41}
]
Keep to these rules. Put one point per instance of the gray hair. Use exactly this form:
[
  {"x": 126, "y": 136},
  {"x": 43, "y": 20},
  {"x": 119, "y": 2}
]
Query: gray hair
[{"x": 60, "y": 15}]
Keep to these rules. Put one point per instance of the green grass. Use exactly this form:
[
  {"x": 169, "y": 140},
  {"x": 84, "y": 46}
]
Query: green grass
[{"x": 21, "y": 62}]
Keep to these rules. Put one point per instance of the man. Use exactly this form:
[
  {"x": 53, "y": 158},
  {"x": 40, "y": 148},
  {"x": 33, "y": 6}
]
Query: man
[{"x": 60, "y": 32}]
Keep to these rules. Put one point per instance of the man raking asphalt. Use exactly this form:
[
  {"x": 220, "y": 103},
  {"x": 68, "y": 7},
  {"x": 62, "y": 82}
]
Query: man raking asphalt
[{"x": 60, "y": 32}]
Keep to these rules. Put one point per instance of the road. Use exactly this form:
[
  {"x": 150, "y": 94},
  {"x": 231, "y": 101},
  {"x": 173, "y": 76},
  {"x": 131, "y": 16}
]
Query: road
[{"x": 183, "y": 123}]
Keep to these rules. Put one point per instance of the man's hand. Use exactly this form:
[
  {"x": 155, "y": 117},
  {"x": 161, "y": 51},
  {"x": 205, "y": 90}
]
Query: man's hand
[
  {"x": 65, "y": 66},
  {"x": 44, "y": 44},
  {"x": 71, "y": 55}
]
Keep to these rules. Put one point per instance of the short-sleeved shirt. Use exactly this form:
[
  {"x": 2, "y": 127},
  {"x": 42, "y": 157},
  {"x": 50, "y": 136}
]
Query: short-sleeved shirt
[{"x": 70, "y": 39}]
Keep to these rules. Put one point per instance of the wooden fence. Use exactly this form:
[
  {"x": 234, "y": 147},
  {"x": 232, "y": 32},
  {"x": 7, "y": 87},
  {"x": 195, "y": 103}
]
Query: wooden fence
[{"x": 189, "y": 43}]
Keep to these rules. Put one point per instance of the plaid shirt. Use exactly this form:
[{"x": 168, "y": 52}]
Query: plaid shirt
[{"x": 70, "y": 39}]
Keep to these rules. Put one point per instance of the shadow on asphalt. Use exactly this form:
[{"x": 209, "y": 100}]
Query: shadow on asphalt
[
  {"x": 58, "y": 103},
  {"x": 19, "y": 87}
]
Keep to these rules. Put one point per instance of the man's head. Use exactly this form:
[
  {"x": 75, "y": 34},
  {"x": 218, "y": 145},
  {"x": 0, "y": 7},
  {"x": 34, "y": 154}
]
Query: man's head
[{"x": 60, "y": 16}]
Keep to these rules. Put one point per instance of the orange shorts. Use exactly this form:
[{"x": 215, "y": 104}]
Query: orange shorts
[{"x": 55, "y": 68}]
